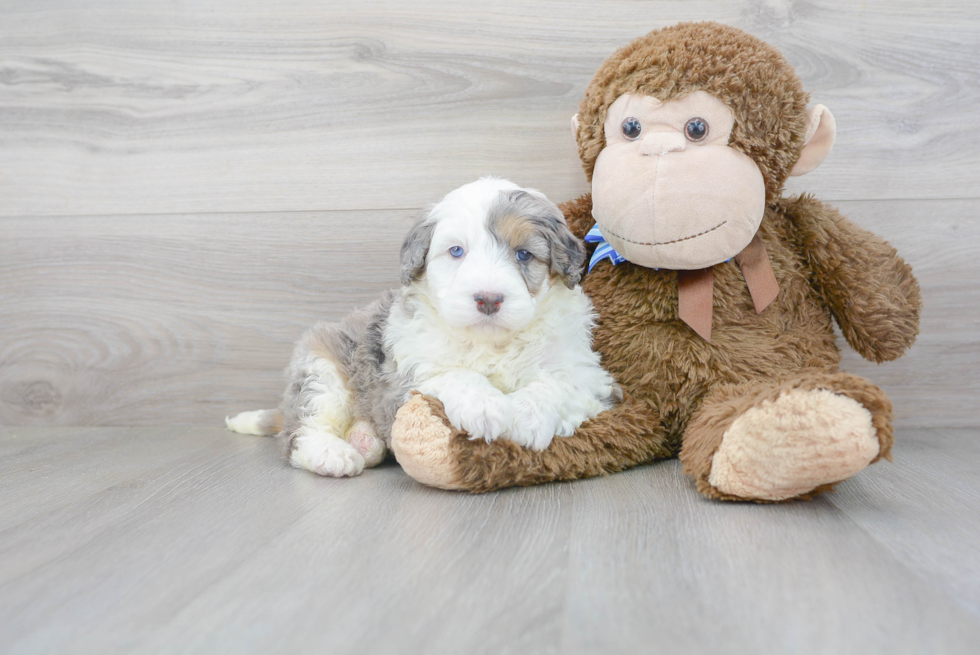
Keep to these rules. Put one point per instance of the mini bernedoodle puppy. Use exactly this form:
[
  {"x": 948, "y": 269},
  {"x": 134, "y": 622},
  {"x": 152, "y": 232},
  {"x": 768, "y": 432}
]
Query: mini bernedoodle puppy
[{"x": 489, "y": 319}]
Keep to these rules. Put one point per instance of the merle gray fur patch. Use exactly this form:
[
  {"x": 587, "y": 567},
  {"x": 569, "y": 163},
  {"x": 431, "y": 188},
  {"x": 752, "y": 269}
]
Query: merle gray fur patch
[
  {"x": 524, "y": 221},
  {"x": 356, "y": 348}
]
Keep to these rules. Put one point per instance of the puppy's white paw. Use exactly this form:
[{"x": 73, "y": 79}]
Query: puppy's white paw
[
  {"x": 325, "y": 454},
  {"x": 472, "y": 403},
  {"x": 531, "y": 427},
  {"x": 483, "y": 415},
  {"x": 367, "y": 443}
]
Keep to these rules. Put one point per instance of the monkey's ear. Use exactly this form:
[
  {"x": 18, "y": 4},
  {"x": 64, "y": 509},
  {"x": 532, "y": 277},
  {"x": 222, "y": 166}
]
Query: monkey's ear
[
  {"x": 575, "y": 127},
  {"x": 821, "y": 131}
]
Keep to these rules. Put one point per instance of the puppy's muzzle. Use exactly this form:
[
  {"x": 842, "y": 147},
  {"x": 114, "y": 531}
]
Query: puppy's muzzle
[{"x": 488, "y": 303}]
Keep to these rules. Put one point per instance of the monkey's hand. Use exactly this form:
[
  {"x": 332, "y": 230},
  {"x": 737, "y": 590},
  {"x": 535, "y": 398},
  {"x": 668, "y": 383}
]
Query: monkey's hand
[{"x": 868, "y": 288}]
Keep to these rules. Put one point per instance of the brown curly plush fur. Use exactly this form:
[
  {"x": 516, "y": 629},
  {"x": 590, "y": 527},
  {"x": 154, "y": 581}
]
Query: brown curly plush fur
[{"x": 683, "y": 392}]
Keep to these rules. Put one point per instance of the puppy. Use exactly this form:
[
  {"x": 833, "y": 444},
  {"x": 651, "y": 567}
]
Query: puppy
[{"x": 489, "y": 319}]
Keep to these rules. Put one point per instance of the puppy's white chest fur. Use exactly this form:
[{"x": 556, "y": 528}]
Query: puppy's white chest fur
[{"x": 424, "y": 346}]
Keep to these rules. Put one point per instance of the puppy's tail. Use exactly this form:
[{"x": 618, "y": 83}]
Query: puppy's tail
[{"x": 261, "y": 422}]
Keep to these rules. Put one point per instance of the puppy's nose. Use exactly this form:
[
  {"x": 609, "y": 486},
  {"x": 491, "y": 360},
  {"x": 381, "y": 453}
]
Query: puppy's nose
[{"x": 487, "y": 302}]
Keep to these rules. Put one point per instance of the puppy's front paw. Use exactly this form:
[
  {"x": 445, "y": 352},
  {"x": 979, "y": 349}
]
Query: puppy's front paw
[
  {"x": 532, "y": 428},
  {"x": 483, "y": 415},
  {"x": 325, "y": 454}
]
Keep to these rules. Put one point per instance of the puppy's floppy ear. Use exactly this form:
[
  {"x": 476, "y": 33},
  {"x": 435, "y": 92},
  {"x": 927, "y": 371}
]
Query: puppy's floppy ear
[
  {"x": 567, "y": 251},
  {"x": 415, "y": 248}
]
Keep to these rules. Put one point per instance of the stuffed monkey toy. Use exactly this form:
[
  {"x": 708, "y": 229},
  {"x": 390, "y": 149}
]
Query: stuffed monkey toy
[{"x": 715, "y": 294}]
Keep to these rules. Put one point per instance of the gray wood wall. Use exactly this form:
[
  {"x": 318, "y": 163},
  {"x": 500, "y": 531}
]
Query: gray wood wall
[{"x": 184, "y": 186}]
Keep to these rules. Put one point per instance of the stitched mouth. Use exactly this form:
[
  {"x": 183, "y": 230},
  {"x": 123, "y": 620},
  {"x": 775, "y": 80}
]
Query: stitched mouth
[{"x": 666, "y": 243}]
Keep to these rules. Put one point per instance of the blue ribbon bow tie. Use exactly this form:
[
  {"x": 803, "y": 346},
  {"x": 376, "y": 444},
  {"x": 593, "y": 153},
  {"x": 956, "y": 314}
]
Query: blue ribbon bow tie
[{"x": 603, "y": 250}]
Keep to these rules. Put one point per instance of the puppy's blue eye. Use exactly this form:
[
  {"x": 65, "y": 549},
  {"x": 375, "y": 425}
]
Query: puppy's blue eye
[
  {"x": 457, "y": 251},
  {"x": 523, "y": 255}
]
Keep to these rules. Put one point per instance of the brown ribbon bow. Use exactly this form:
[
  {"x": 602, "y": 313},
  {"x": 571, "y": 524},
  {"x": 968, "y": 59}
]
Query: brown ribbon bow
[{"x": 695, "y": 289}]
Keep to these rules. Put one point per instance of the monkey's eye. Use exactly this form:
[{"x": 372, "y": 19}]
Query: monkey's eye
[
  {"x": 523, "y": 255},
  {"x": 696, "y": 129},
  {"x": 457, "y": 251},
  {"x": 632, "y": 128}
]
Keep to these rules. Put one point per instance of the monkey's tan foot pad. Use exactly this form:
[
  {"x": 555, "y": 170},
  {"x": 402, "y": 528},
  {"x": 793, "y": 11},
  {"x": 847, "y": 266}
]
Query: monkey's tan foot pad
[
  {"x": 787, "y": 447},
  {"x": 421, "y": 440}
]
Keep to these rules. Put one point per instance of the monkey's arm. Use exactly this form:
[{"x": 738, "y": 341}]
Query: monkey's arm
[
  {"x": 868, "y": 288},
  {"x": 434, "y": 453}
]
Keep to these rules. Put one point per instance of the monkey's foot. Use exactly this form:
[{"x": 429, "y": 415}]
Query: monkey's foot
[{"x": 799, "y": 442}]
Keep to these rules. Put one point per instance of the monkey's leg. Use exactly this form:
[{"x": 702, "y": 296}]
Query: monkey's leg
[
  {"x": 767, "y": 441},
  {"x": 434, "y": 453}
]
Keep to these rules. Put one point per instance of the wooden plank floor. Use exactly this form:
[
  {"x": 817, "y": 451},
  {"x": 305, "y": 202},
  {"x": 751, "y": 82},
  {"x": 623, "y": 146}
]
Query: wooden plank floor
[{"x": 197, "y": 540}]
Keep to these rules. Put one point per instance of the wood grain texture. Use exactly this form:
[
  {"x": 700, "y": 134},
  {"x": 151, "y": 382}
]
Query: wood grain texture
[
  {"x": 198, "y": 540},
  {"x": 177, "y": 319},
  {"x": 110, "y": 107},
  {"x": 151, "y": 320}
]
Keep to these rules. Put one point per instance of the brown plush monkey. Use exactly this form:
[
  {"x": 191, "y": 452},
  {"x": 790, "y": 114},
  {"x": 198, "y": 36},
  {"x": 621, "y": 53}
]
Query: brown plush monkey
[{"x": 716, "y": 320}]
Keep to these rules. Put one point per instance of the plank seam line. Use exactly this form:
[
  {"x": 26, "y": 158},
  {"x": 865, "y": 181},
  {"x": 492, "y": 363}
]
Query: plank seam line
[{"x": 830, "y": 201}]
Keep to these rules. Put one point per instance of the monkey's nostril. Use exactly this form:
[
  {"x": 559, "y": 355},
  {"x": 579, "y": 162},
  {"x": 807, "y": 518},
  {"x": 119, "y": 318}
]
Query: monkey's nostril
[{"x": 488, "y": 303}]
